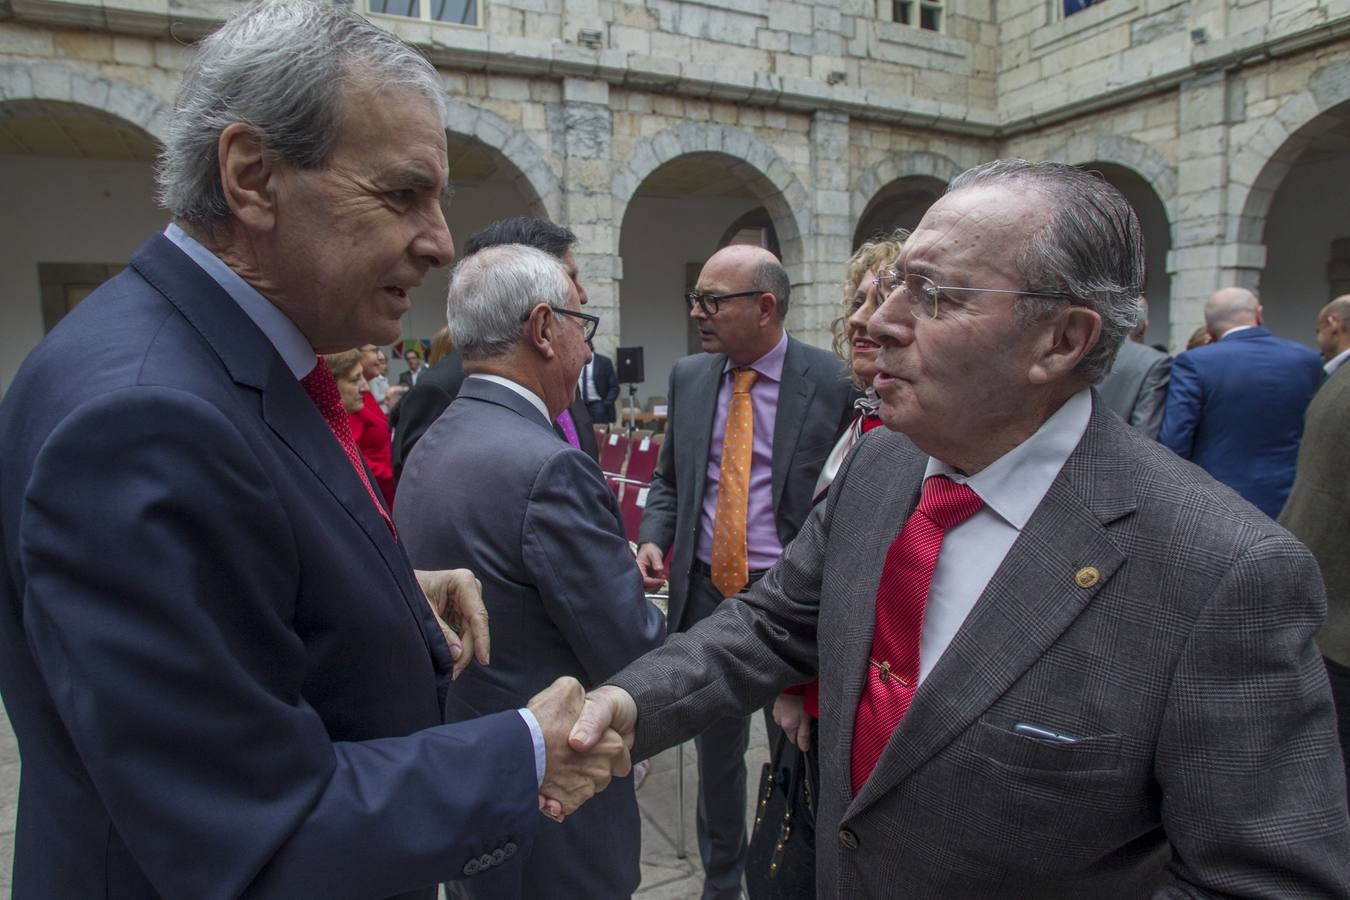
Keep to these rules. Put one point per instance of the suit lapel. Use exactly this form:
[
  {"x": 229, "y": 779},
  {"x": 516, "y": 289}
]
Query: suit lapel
[
  {"x": 254, "y": 364},
  {"x": 1033, "y": 597},
  {"x": 882, "y": 518},
  {"x": 704, "y": 385},
  {"x": 794, "y": 399}
]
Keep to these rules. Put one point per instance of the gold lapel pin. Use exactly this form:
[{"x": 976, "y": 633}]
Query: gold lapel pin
[{"x": 1087, "y": 576}]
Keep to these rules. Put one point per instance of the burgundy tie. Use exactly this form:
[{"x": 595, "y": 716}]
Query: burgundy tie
[
  {"x": 323, "y": 390},
  {"x": 902, "y": 595}
]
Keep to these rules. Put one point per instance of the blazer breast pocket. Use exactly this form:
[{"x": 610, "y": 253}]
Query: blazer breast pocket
[{"x": 1010, "y": 749}]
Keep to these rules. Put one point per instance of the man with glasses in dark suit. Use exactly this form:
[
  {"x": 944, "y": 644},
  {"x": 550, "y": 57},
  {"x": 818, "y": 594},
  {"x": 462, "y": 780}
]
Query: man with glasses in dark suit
[{"x": 1055, "y": 660}]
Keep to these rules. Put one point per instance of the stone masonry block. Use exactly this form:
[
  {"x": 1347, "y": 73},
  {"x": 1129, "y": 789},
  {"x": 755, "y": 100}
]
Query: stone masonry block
[
  {"x": 771, "y": 40},
  {"x": 585, "y": 90},
  {"x": 51, "y": 82},
  {"x": 786, "y": 15},
  {"x": 83, "y": 45},
  {"x": 24, "y": 41}
]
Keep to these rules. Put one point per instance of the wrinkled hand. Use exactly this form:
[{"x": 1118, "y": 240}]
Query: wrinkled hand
[
  {"x": 456, "y": 597},
  {"x": 572, "y": 774},
  {"x": 652, "y": 564},
  {"x": 789, "y": 716}
]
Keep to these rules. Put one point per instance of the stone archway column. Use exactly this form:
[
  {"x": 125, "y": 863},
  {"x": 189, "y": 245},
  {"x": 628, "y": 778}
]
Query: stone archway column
[
  {"x": 1204, "y": 256},
  {"x": 588, "y": 201},
  {"x": 826, "y": 252}
]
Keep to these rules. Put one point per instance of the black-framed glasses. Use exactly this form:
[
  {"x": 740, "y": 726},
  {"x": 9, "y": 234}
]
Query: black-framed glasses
[
  {"x": 925, "y": 297},
  {"x": 589, "y": 323},
  {"x": 711, "y": 304}
]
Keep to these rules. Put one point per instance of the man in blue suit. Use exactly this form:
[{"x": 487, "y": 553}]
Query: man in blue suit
[
  {"x": 223, "y": 673},
  {"x": 1235, "y": 406}
]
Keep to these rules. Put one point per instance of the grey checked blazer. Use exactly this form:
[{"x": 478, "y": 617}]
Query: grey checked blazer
[
  {"x": 1145, "y": 609},
  {"x": 815, "y": 403}
]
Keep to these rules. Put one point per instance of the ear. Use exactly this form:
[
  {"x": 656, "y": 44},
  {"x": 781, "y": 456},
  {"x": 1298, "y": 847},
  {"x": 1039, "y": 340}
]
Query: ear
[
  {"x": 1062, "y": 343},
  {"x": 247, "y": 176},
  {"x": 768, "y": 307},
  {"x": 540, "y": 330}
]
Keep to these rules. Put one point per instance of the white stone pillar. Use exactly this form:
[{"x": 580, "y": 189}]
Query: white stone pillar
[
  {"x": 588, "y": 171},
  {"x": 828, "y": 245}
]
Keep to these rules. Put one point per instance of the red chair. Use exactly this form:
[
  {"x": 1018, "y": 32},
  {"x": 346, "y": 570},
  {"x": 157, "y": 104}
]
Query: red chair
[
  {"x": 642, "y": 456},
  {"x": 613, "y": 453}
]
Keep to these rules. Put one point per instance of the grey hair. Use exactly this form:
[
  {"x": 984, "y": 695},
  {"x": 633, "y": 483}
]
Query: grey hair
[
  {"x": 279, "y": 67},
  {"x": 1090, "y": 247},
  {"x": 491, "y": 293},
  {"x": 770, "y": 276}
]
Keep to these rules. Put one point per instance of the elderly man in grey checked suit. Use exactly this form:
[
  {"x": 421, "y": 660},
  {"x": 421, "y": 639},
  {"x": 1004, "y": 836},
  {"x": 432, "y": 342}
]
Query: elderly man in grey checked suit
[{"x": 1055, "y": 660}]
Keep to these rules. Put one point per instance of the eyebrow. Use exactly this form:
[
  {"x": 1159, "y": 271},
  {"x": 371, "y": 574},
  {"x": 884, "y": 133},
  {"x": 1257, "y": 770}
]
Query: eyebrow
[{"x": 419, "y": 180}]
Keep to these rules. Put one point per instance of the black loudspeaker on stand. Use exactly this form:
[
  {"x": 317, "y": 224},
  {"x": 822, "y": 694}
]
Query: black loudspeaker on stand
[{"x": 628, "y": 366}]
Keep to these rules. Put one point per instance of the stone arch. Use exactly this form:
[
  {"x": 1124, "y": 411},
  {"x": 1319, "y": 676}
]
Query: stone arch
[
  {"x": 779, "y": 189},
  {"x": 66, "y": 84},
  {"x": 1268, "y": 148},
  {"x": 898, "y": 165},
  {"x": 1128, "y": 153},
  {"x": 536, "y": 181}
]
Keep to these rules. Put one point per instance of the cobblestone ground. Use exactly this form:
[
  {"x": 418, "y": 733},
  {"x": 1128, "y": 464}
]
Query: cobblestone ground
[{"x": 665, "y": 875}]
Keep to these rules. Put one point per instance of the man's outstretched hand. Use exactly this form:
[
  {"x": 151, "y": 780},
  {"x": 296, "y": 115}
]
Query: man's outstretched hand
[{"x": 574, "y": 773}]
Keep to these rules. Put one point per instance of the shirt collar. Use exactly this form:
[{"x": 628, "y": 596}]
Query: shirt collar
[
  {"x": 1014, "y": 484},
  {"x": 535, "y": 400},
  {"x": 1235, "y": 329},
  {"x": 770, "y": 365},
  {"x": 1336, "y": 362},
  {"x": 293, "y": 346}
]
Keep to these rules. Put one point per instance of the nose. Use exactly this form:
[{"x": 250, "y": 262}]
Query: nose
[
  {"x": 434, "y": 243},
  {"x": 696, "y": 312},
  {"x": 892, "y": 323}
]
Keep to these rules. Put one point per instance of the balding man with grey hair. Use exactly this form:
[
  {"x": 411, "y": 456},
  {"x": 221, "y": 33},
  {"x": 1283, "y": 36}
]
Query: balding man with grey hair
[
  {"x": 493, "y": 488},
  {"x": 1318, "y": 509},
  {"x": 1333, "y": 333},
  {"x": 223, "y": 673},
  {"x": 1235, "y": 405}
]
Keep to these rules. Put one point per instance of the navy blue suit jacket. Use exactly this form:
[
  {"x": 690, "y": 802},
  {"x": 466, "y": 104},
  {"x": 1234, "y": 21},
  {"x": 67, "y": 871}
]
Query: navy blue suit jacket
[
  {"x": 1235, "y": 408},
  {"x": 222, "y": 674}
]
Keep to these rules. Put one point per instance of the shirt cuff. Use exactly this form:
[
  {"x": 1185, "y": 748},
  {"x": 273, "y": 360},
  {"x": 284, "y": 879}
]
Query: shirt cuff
[{"x": 536, "y": 735}]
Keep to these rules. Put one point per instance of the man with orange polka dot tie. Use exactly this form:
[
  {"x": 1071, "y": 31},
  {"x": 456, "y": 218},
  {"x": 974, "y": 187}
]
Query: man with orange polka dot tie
[{"x": 750, "y": 423}]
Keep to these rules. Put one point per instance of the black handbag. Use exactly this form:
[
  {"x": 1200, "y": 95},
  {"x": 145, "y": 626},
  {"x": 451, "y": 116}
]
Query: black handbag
[{"x": 781, "y": 860}]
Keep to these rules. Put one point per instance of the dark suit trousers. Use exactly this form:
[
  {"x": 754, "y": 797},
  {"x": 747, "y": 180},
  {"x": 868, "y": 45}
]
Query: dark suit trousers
[
  {"x": 1339, "y": 676},
  {"x": 721, "y": 776}
]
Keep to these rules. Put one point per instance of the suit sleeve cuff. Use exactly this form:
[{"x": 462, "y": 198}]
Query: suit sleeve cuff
[{"x": 536, "y": 735}]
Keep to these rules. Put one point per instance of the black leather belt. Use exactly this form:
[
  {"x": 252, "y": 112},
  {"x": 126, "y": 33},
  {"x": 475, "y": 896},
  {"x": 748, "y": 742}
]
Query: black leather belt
[{"x": 702, "y": 568}]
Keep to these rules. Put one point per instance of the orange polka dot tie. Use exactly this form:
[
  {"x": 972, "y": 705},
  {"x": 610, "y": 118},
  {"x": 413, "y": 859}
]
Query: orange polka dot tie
[{"x": 730, "y": 560}]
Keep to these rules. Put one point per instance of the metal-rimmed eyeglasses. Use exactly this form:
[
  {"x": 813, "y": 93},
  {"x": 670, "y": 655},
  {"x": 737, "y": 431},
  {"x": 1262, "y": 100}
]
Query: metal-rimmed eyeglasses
[
  {"x": 589, "y": 323},
  {"x": 925, "y": 297},
  {"x": 711, "y": 304}
]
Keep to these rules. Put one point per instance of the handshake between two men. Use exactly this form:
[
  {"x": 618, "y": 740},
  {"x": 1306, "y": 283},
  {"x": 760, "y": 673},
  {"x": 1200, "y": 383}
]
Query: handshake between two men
[
  {"x": 586, "y": 736},
  {"x": 586, "y": 742}
]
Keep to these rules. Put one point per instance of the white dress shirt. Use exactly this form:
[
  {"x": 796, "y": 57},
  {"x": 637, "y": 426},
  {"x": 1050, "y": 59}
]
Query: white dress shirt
[
  {"x": 1336, "y": 362},
  {"x": 1011, "y": 488}
]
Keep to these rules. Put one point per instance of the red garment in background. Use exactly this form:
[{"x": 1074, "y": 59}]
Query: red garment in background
[{"x": 370, "y": 430}]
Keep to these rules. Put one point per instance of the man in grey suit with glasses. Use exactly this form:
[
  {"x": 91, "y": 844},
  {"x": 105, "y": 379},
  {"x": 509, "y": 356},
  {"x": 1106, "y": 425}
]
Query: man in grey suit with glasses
[{"x": 1054, "y": 659}]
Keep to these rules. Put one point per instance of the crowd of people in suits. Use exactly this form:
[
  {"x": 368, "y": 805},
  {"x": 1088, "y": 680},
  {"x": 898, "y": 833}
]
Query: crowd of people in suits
[{"x": 1029, "y": 649}]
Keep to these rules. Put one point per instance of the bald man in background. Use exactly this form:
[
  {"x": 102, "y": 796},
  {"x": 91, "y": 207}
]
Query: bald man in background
[{"x": 1235, "y": 405}]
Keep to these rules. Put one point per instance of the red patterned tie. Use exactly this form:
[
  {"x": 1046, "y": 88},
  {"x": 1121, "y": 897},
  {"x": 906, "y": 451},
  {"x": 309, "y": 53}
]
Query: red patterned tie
[
  {"x": 902, "y": 595},
  {"x": 323, "y": 390}
]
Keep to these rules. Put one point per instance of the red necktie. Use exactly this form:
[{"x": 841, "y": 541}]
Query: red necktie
[
  {"x": 902, "y": 595},
  {"x": 569, "y": 428},
  {"x": 323, "y": 390}
]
